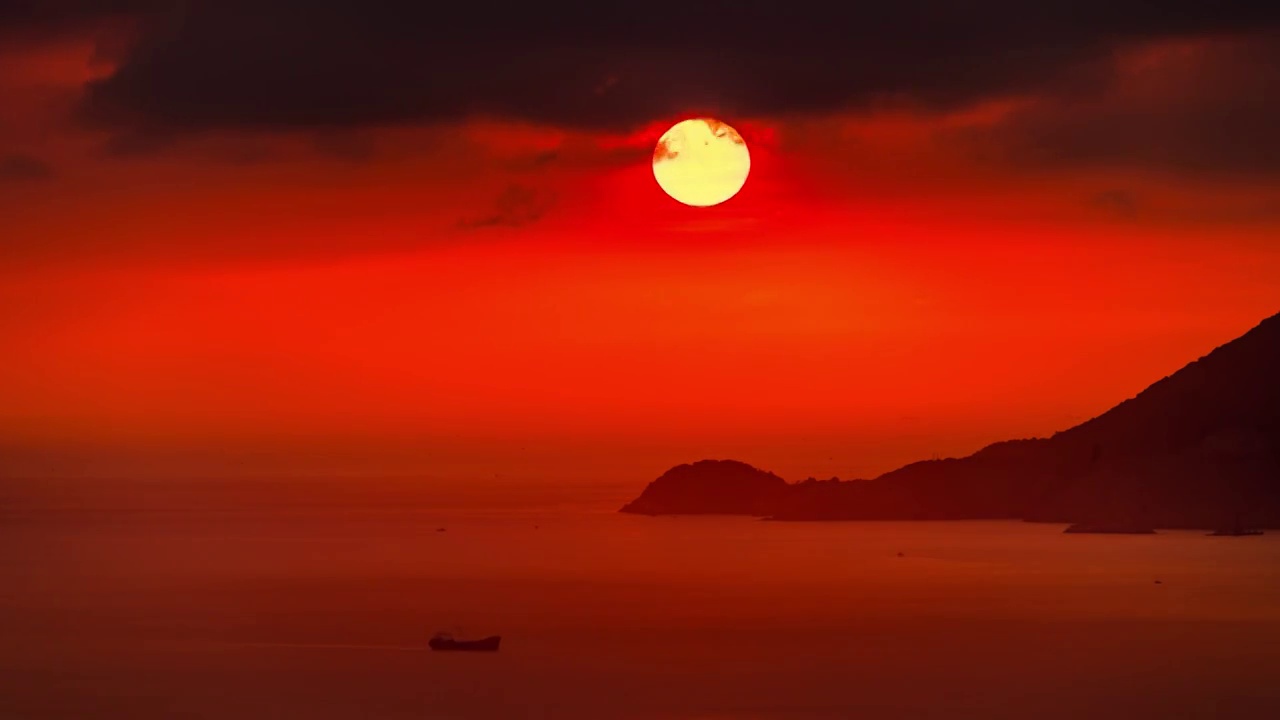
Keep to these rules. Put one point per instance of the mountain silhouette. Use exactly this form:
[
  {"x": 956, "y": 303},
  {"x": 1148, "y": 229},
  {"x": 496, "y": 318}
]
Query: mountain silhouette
[{"x": 1199, "y": 448}]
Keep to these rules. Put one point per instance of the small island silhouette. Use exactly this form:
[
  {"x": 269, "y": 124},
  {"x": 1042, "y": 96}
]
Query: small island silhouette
[
  {"x": 712, "y": 487},
  {"x": 1197, "y": 449}
]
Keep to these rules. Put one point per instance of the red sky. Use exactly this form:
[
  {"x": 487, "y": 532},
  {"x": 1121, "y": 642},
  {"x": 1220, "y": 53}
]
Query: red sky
[{"x": 477, "y": 297}]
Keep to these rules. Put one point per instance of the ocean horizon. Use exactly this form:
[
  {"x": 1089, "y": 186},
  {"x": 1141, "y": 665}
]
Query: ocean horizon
[{"x": 317, "y": 601}]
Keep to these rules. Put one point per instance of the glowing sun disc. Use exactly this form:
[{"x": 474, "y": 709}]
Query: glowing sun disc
[{"x": 701, "y": 162}]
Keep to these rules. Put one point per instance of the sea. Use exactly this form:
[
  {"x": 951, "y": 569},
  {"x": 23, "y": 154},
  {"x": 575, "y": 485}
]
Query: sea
[{"x": 315, "y": 598}]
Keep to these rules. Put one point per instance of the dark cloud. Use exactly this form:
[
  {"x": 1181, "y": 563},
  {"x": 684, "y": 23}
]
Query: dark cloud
[
  {"x": 1208, "y": 108},
  {"x": 17, "y": 167},
  {"x": 133, "y": 142},
  {"x": 346, "y": 145},
  {"x": 308, "y": 63},
  {"x": 52, "y": 16},
  {"x": 516, "y": 206}
]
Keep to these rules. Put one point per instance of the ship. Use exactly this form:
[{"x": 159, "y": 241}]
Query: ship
[
  {"x": 1110, "y": 528},
  {"x": 446, "y": 641},
  {"x": 1236, "y": 530}
]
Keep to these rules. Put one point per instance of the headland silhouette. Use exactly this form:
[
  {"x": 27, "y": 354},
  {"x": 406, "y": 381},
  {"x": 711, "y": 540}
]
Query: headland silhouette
[{"x": 1197, "y": 449}]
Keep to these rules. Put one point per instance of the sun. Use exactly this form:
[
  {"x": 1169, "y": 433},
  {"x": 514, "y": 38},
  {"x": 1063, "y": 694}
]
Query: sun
[{"x": 701, "y": 162}]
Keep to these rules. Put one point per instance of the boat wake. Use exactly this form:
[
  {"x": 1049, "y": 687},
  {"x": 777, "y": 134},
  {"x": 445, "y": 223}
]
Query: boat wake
[{"x": 329, "y": 646}]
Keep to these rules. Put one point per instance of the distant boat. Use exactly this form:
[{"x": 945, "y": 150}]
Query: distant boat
[
  {"x": 445, "y": 641},
  {"x": 1237, "y": 530},
  {"x": 1110, "y": 529}
]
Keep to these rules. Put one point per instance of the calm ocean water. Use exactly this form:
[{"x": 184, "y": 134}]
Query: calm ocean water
[{"x": 315, "y": 600}]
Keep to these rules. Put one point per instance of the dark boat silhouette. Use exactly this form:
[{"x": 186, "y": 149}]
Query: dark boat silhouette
[
  {"x": 1236, "y": 530},
  {"x": 1106, "y": 528},
  {"x": 445, "y": 641}
]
